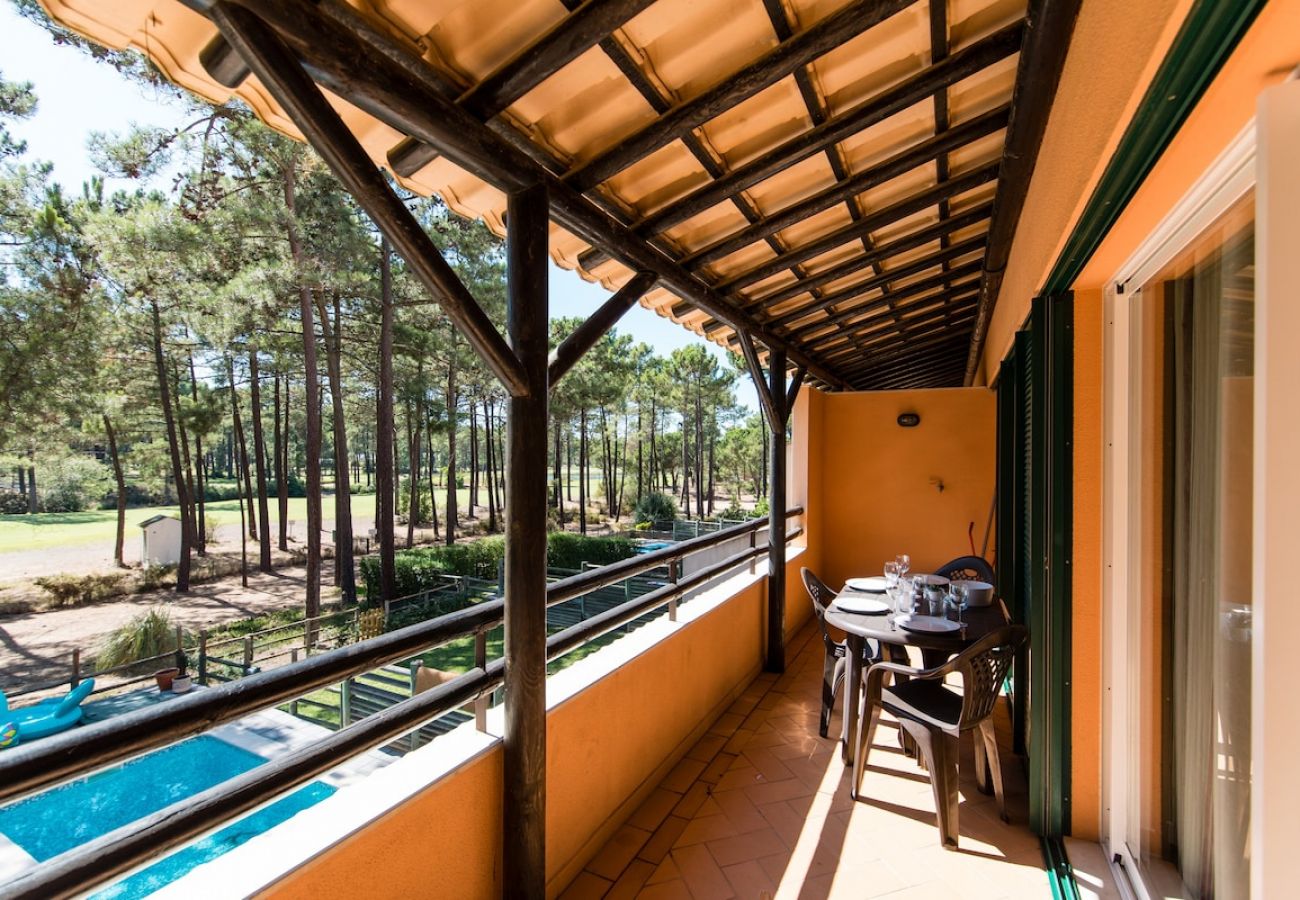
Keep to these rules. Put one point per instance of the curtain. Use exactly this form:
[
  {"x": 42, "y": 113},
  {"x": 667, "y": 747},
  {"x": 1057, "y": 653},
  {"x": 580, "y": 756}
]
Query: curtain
[{"x": 1212, "y": 326}]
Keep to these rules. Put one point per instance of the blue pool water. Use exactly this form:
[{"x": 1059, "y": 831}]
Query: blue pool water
[
  {"x": 655, "y": 545},
  {"x": 72, "y": 814}
]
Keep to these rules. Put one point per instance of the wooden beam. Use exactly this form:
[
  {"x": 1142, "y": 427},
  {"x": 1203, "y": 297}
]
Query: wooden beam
[
  {"x": 876, "y": 109},
  {"x": 870, "y": 326},
  {"x": 774, "y": 659},
  {"x": 971, "y": 245},
  {"x": 1047, "y": 42},
  {"x": 793, "y": 393},
  {"x": 897, "y": 312},
  {"x": 949, "y": 280},
  {"x": 574, "y": 35},
  {"x": 585, "y": 336},
  {"x": 281, "y": 74},
  {"x": 901, "y": 355},
  {"x": 401, "y": 89},
  {"x": 899, "y": 164},
  {"x": 765, "y": 399},
  {"x": 524, "y": 763},
  {"x": 220, "y": 60},
  {"x": 890, "y": 214},
  {"x": 878, "y": 254},
  {"x": 824, "y": 36}
]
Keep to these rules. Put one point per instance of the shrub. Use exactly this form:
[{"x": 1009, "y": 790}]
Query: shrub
[
  {"x": 153, "y": 577},
  {"x": 73, "y": 484},
  {"x": 136, "y": 495},
  {"x": 413, "y": 613},
  {"x": 74, "y": 590},
  {"x": 209, "y": 529},
  {"x": 570, "y": 551},
  {"x": 733, "y": 512},
  {"x": 147, "y": 635},
  {"x": 760, "y": 510},
  {"x": 655, "y": 507},
  {"x": 12, "y": 503}
]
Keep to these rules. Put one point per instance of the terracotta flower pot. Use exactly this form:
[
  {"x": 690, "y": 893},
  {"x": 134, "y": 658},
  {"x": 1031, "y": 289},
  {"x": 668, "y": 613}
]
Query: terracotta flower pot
[{"x": 164, "y": 678}]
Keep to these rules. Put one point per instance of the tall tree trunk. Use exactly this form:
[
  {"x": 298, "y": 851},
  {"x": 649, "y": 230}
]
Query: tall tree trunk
[
  {"x": 384, "y": 474},
  {"x": 259, "y": 456},
  {"x": 242, "y": 441},
  {"x": 196, "y": 524},
  {"x": 640, "y": 458},
  {"x": 282, "y": 461},
  {"x": 452, "y": 511},
  {"x": 345, "y": 575},
  {"x": 568, "y": 464},
  {"x": 558, "y": 487},
  {"x": 417, "y": 431},
  {"x": 686, "y": 467},
  {"x": 712, "y": 441},
  {"x": 120, "y": 539},
  {"x": 173, "y": 449},
  {"x": 433, "y": 495},
  {"x": 199, "y": 494},
  {"x": 699, "y": 453},
  {"x": 474, "y": 459},
  {"x": 582, "y": 471},
  {"x": 492, "y": 466},
  {"x": 312, "y": 404}
]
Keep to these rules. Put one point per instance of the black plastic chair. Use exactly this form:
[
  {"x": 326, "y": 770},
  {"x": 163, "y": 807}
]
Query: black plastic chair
[
  {"x": 935, "y": 716},
  {"x": 836, "y": 661},
  {"x": 971, "y": 568}
]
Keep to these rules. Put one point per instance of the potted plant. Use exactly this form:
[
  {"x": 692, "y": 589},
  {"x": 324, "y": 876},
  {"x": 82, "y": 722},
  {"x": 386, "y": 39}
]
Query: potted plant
[{"x": 181, "y": 681}]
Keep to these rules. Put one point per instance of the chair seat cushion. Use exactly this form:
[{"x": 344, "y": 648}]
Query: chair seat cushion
[{"x": 923, "y": 701}]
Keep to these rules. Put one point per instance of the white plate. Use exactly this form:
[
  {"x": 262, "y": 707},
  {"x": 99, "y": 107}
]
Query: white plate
[
  {"x": 876, "y": 584},
  {"x": 932, "y": 580},
  {"x": 926, "y": 624},
  {"x": 864, "y": 606}
]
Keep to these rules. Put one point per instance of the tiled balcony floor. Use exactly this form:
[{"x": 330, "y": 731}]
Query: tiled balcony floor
[{"x": 760, "y": 808}]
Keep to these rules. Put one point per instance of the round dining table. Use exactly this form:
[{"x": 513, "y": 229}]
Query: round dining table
[{"x": 935, "y": 648}]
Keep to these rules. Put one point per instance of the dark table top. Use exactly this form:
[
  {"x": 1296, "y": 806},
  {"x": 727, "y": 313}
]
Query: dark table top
[{"x": 979, "y": 621}]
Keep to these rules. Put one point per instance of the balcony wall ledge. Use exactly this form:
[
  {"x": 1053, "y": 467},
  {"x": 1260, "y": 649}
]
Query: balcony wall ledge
[{"x": 432, "y": 818}]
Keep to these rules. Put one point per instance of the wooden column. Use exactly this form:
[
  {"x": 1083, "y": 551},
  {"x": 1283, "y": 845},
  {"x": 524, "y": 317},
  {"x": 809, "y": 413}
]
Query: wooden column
[
  {"x": 774, "y": 660},
  {"x": 525, "y": 568}
]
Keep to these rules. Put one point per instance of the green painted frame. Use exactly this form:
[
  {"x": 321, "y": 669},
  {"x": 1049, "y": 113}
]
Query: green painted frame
[{"x": 1203, "y": 43}]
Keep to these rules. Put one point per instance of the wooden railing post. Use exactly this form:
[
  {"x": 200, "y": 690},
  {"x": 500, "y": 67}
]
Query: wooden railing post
[
  {"x": 203, "y": 656},
  {"x": 480, "y": 662},
  {"x": 76, "y": 666},
  {"x": 524, "y": 813},
  {"x": 673, "y": 568},
  {"x": 248, "y": 653}
]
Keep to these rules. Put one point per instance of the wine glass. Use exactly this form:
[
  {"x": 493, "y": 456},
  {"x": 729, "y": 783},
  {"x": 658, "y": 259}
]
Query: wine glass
[
  {"x": 957, "y": 600},
  {"x": 904, "y": 563},
  {"x": 891, "y": 574}
]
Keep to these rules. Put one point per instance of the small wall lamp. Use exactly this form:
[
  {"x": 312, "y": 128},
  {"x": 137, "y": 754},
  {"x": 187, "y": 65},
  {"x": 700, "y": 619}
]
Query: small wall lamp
[{"x": 909, "y": 420}]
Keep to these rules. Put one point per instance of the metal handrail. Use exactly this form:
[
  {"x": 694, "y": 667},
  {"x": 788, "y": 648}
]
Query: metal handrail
[{"x": 30, "y": 767}]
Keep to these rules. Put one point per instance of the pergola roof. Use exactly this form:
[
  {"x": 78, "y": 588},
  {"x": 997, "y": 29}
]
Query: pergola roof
[{"x": 831, "y": 176}]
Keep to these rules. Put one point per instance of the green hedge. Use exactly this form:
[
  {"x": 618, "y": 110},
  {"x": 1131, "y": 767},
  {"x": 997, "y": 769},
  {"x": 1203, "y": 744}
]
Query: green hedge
[{"x": 420, "y": 568}]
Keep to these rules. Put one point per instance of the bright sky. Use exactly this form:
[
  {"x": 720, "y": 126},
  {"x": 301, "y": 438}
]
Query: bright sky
[{"x": 77, "y": 96}]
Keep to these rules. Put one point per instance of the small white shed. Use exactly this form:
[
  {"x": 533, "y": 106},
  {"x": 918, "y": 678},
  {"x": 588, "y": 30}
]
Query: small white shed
[{"x": 161, "y": 541}]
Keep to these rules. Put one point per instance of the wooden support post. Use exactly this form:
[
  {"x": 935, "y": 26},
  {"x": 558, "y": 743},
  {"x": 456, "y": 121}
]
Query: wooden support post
[
  {"x": 76, "y": 666},
  {"x": 203, "y": 656},
  {"x": 524, "y": 823},
  {"x": 775, "y": 657}
]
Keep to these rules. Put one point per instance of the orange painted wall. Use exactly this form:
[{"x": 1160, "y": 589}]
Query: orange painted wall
[
  {"x": 1086, "y": 576},
  {"x": 879, "y": 494}
]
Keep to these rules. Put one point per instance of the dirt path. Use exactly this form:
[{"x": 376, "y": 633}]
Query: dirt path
[{"x": 38, "y": 646}]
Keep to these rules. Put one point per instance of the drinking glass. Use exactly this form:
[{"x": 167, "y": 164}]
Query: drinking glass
[
  {"x": 906, "y": 589},
  {"x": 904, "y": 563},
  {"x": 891, "y": 574},
  {"x": 956, "y": 601}
]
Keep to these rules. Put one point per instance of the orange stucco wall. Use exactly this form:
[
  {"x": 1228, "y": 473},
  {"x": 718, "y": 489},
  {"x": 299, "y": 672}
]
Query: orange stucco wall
[
  {"x": 1086, "y": 598},
  {"x": 608, "y": 744},
  {"x": 879, "y": 484}
]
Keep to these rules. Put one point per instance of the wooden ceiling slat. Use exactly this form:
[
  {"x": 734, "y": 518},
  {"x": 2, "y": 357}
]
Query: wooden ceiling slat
[
  {"x": 949, "y": 280},
  {"x": 955, "y": 296},
  {"x": 574, "y": 35},
  {"x": 879, "y": 219},
  {"x": 827, "y": 34}
]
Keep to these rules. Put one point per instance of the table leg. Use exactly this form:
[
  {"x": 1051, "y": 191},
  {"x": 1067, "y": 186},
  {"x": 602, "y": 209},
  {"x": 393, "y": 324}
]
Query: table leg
[{"x": 852, "y": 686}]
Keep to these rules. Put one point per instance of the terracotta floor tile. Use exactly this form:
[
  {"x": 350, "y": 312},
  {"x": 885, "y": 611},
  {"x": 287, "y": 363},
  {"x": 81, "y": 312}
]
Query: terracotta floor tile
[
  {"x": 743, "y": 847},
  {"x": 740, "y": 811},
  {"x": 771, "y": 768},
  {"x": 632, "y": 880},
  {"x": 665, "y": 871},
  {"x": 708, "y": 828},
  {"x": 663, "y": 839},
  {"x": 701, "y": 873},
  {"x": 618, "y": 852},
  {"x": 739, "y": 738},
  {"x": 683, "y": 775},
  {"x": 692, "y": 800},
  {"x": 666, "y": 890},
  {"x": 717, "y": 768},
  {"x": 771, "y": 791},
  {"x": 586, "y": 887},
  {"x": 727, "y": 724},
  {"x": 707, "y": 747},
  {"x": 750, "y": 881},
  {"x": 655, "y": 809}
]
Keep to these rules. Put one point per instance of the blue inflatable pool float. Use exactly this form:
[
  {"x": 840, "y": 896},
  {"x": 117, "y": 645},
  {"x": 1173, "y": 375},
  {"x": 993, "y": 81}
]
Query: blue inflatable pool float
[{"x": 49, "y": 716}]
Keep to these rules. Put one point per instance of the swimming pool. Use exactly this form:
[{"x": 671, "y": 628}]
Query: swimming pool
[
  {"x": 651, "y": 546},
  {"x": 75, "y": 813}
]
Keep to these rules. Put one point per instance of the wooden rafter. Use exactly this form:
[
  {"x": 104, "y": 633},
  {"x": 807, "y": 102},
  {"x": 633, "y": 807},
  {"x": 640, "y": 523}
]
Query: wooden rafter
[
  {"x": 827, "y": 34},
  {"x": 585, "y": 336}
]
